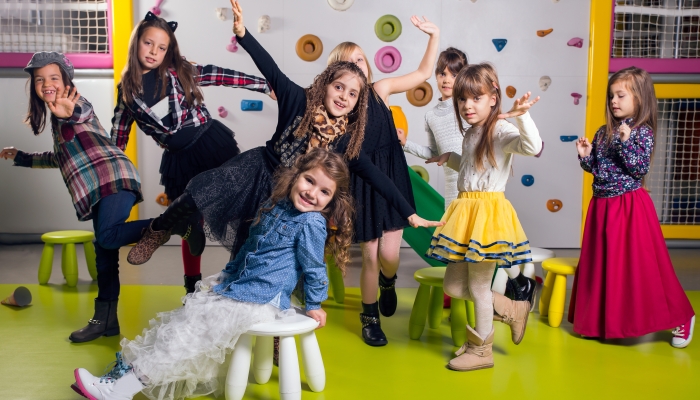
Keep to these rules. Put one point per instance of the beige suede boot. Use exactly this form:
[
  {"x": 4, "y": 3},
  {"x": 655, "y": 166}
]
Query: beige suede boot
[
  {"x": 476, "y": 353},
  {"x": 511, "y": 313}
]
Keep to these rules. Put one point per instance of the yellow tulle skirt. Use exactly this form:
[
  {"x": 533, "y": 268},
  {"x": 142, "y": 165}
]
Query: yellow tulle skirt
[{"x": 480, "y": 226}]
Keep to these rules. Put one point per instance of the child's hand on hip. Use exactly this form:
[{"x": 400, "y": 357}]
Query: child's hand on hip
[
  {"x": 65, "y": 101},
  {"x": 625, "y": 132},
  {"x": 8, "y": 153},
  {"x": 319, "y": 315},
  {"x": 583, "y": 146}
]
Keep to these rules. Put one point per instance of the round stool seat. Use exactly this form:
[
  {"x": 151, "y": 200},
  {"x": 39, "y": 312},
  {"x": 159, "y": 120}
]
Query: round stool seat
[
  {"x": 538, "y": 255},
  {"x": 561, "y": 266},
  {"x": 59, "y": 237},
  {"x": 289, "y": 326},
  {"x": 431, "y": 276}
]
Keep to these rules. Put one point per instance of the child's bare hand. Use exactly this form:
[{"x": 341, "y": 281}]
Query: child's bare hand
[
  {"x": 425, "y": 25},
  {"x": 65, "y": 101},
  {"x": 625, "y": 132},
  {"x": 8, "y": 153},
  {"x": 583, "y": 146},
  {"x": 238, "y": 27},
  {"x": 441, "y": 159},
  {"x": 520, "y": 106},
  {"x": 417, "y": 221},
  {"x": 402, "y": 136},
  {"x": 319, "y": 315},
  {"x": 273, "y": 96}
]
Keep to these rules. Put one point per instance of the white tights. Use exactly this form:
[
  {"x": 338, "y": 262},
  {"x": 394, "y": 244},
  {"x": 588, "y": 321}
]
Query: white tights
[{"x": 472, "y": 281}]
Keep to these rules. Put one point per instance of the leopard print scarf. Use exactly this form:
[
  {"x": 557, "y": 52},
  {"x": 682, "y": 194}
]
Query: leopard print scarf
[{"x": 326, "y": 128}]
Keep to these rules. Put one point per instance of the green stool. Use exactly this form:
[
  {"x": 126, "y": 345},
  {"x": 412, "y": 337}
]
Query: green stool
[
  {"x": 336, "y": 279},
  {"x": 69, "y": 260},
  {"x": 429, "y": 300}
]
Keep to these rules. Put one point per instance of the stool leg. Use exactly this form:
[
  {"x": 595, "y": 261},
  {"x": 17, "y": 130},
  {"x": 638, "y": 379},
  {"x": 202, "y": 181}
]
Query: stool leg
[
  {"x": 336, "y": 278},
  {"x": 89, "y": 250},
  {"x": 546, "y": 293},
  {"x": 45, "y": 264},
  {"x": 237, "y": 376},
  {"x": 435, "y": 307},
  {"x": 458, "y": 321},
  {"x": 71, "y": 264},
  {"x": 416, "y": 323},
  {"x": 290, "y": 380},
  {"x": 262, "y": 358},
  {"x": 471, "y": 314},
  {"x": 313, "y": 363},
  {"x": 556, "y": 302},
  {"x": 529, "y": 270}
]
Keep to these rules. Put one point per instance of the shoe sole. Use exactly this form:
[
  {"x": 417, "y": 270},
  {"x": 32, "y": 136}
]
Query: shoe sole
[
  {"x": 76, "y": 389},
  {"x": 376, "y": 344},
  {"x": 533, "y": 300},
  {"x": 690, "y": 337},
  {"x": 527, "y": 315},
  {"x": 106, "y": 334},
  {"x": 79, "y": 383},
  {"x": 469, "y": 369}
]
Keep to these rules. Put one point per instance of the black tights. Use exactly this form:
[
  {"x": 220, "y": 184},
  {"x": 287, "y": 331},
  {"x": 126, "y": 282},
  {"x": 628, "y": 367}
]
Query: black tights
[{"x": 179, "y": 210}]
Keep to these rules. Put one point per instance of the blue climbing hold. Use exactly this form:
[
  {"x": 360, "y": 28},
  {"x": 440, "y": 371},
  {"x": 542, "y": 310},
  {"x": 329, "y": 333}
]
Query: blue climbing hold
[
  {"x": 565, "y": 138},
  {"x": 499, "y": 43},
  {"x": 251, "y": 105},
  {"x": 528, "y": 180}
]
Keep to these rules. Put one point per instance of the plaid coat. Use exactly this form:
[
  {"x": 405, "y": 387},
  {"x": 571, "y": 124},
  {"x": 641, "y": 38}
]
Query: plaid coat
[
  {"x": 183, "y": 114},
  {"x": 91, "y": 166}
]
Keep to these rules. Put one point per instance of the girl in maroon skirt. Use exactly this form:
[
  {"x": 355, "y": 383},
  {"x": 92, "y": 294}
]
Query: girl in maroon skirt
[{"x": 625, "y": 284}]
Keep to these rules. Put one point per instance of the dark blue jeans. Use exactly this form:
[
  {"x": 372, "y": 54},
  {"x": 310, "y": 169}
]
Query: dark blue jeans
[{"x": 111, "y": 233}]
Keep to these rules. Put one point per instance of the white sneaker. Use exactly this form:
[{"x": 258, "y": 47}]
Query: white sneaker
[
  {"x": 107, "y": 388},
  {"x": 683, "y": 334}
]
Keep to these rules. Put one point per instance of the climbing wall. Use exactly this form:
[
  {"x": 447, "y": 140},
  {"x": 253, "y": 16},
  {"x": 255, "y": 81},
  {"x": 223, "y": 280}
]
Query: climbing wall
[{"x": 468, "y": 25}]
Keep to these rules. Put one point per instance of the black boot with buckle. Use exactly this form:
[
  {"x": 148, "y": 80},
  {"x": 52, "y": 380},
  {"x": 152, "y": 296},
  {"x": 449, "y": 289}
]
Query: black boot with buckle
[
  {"x": 103, "y": 323},
  {"x": 190, "y": 282},
  {"x": 387, "y": 295},
  {"x": 371, "y": 328},
  {"x": 190, "y": 230}
]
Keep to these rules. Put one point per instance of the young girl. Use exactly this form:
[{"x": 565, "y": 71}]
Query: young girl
[
  {"x": 229, "y": 196},
  {"x": 625, "y": 285},
  {"x": 101, "y": 180},
  {"x": 181, "y": 353},
  {"x": 161, "y": 92},
  {"x": 481, "y": 225},
  {"x": 378, "y": 226}
]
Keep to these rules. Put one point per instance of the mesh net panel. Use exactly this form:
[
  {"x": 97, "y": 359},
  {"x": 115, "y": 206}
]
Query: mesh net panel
[
  {"x": 656, "y": 29},
  {"x": 674, "y": 177},
  {"x": 67, "y": 26}
]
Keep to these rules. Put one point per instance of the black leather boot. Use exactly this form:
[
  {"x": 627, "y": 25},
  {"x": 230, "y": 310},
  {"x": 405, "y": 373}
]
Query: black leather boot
[
  {"x": 103, "y": 323},
  {"x": 371, "y": 329},
  {"x": 387, "y": 295},
  {"x": 521, "y": 288},
  {"x": 191, "y": 230},
  {"x": 190, "y": 281}
]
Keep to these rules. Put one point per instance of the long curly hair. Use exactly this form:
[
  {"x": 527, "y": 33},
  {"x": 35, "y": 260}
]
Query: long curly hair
[
  {"x": 316, "y": 93},
  {"x": 340, "y": 211}
]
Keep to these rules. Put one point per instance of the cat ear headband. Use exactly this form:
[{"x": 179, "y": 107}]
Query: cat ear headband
[{"x": 152, "y": 17}]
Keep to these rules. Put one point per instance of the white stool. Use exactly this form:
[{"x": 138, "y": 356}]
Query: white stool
[{"x": 289, "y": 378}]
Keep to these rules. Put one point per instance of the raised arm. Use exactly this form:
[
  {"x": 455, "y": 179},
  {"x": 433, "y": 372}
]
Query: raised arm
[
  {"x": 211, "y": 75},
  {"x": 524, "y": 140}
]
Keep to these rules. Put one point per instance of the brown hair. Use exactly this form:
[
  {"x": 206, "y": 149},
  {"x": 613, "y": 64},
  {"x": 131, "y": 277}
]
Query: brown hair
[
  {"x": 340, "y": 211},
  {"x": 453, "y": 59},
  {"x": 317, "y": 92},
  {"x": 640, "y": 85},
  {"x": 479, "y": 80},
  {"x": 133, "y": 73},
  {"x": 342, "y": 52},
  {"x": 36, "y": 114}
]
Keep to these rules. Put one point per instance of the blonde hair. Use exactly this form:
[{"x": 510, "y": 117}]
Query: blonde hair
[{"x": 343, "y": 51}]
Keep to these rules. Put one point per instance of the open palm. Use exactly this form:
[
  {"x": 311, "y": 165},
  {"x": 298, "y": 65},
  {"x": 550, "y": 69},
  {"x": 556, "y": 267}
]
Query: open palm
[
  {"x": 65, "y": 101},
  {"x": 520, "y": 107}
]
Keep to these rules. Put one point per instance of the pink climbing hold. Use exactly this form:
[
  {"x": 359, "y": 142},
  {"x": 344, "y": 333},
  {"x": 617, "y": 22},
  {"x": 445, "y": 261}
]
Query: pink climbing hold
[
  {"x": 222, "y": 112},
  {"x": 156, "y": 9},
  {"x": 575, "y": 42},
  {"x": 232, "y": 47},
  {"x": 576, "y": 97}
]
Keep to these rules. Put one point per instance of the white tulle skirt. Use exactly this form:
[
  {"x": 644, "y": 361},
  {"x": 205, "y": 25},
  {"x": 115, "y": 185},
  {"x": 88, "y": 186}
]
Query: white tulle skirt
[{"x": 182, "y": 354}]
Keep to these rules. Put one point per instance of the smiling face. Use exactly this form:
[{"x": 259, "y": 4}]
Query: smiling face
[
  {"x": 476, "y": 109},
  {"x": 445, "y": 81},
  {"x": 47, "y": 81},
  {"x": 312, "y": 191},
  {"x": 153, "y": 46},
  {"x": 342, "y": 94},
  {"x": 621, "y": 101}
]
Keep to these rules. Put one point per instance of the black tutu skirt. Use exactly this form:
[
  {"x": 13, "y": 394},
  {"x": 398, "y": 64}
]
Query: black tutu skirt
[
  {"x": 214, "y": 147},
  {"x": 229, "y": 196}
]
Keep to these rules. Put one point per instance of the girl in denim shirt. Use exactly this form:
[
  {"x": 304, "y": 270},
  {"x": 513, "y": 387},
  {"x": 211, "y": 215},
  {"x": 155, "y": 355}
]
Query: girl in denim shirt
[{"x": 182, "y": 352}]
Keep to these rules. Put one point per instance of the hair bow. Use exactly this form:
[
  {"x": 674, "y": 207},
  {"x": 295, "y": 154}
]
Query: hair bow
[{"x": 152, "y": 17}]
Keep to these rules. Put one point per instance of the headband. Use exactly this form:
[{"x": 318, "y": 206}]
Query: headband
[{"x": 152, "y": 17}]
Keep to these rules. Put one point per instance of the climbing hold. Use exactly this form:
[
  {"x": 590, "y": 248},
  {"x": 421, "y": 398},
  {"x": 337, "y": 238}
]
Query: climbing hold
[
  {"x": 233, "y": 46},
  {"x": 264, "y": 23},
  {"x": 545, "y": 81},
  {"x": 420, "y": 95},
  {"x": 309, "y": 47},
  {"x": 251, "y": 105},
  {"x": 510, "y": 91},
  {"x": 527, "y": 180},
  {"x": 222, "y": 112},
  {"x": 541, "y": 150},
  {"x": 221, "y": 13},
  {"x": 499, "y": 43},
  {"x": 544, "y": 32},
  {"x": 340, "y": 5},
  {"x": 554, "y": 205},
  {"x": 575, "y": 42},
  {"x": 422, "y": 172},
  {"x": 163, "y": 200},
  {"x": 156, "y": 8},
  {"x": 400, "y": 121},
  {"x": 567, "y": 138},
  {"x": 576, "y": 97},
  {"x": 387, "y": 28},
  {"x": 387, "y": 59}
]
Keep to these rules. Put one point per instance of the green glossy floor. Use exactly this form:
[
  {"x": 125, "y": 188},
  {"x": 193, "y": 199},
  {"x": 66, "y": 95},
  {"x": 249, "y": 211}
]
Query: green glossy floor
[{"x": 37, "y": 360}]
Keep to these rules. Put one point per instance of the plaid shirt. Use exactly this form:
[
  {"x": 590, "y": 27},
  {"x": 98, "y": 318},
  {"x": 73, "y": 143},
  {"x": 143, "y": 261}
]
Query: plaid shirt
[
  {"x": 91, "y": 166},
  {"x": 183, "y": 115}
]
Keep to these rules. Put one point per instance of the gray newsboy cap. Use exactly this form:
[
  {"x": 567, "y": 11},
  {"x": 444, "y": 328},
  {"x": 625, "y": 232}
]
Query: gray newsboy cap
[{"x": 44, "y": 58}]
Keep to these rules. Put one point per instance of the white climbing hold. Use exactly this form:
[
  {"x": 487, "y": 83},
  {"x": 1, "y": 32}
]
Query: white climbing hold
[
  {"x": 340, "y": 5},
  {"x": 545, "y": 82},
  {"x": 221, "y": 13},
  {"x": 263, "y": 23}
]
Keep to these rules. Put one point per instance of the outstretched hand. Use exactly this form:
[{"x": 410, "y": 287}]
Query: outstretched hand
[
  {"x": 417, "y": 221},
  {"x": 238, "y": 26},
  {"x": 441, "y": 159},
  {"x": 520, "y": 106},
  {"x": 8, "y": 153},
  {"x": 425, "y": 25},
  {"x": 65, "y": 101}
]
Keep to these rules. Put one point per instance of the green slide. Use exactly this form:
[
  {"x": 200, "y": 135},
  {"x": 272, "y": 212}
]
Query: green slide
[{"x": 429, "y": 205}]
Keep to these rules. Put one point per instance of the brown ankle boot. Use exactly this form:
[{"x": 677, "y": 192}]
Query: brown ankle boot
[
  {"x": 511, "y": 313},
  {"x": 149, "y": 243},
  {"x": 476, "y": 353}
]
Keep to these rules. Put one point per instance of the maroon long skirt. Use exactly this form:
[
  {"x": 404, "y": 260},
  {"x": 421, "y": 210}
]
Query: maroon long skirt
[{"x": 625, "y": 284}]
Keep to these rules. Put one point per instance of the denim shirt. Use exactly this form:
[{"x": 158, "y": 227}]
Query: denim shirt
[{"x": 284, "y": 245}]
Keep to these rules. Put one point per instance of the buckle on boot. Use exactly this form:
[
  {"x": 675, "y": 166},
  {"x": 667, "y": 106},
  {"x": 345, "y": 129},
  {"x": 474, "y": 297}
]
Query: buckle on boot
[
  {"x": 187, "y": 233},
  {"x": 94, "y": 322},
  {"x": 367, "y": 320}
]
